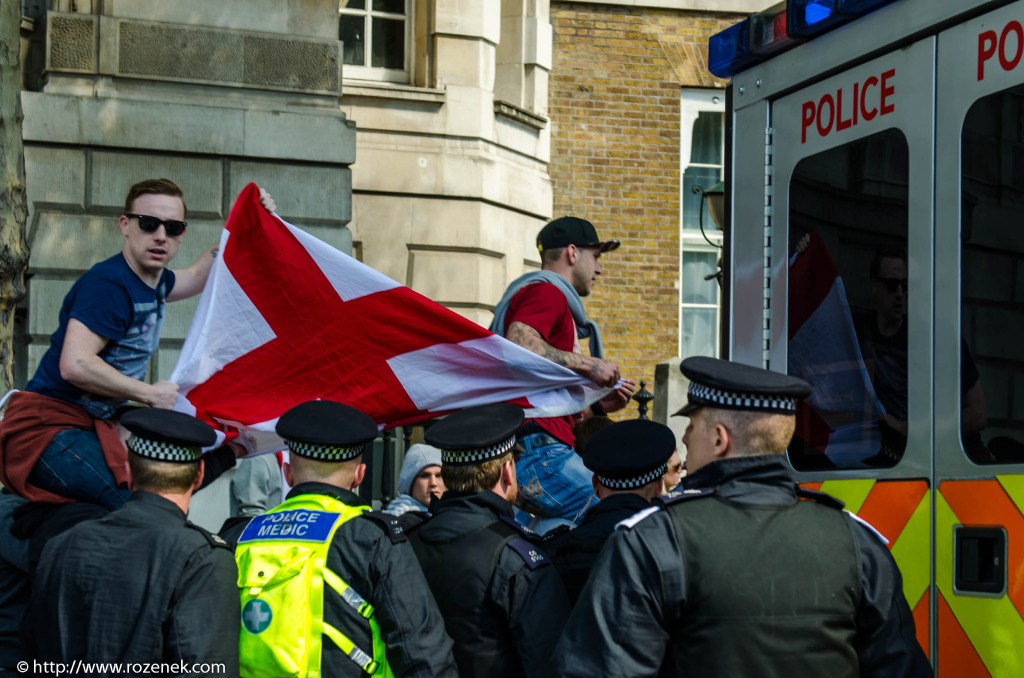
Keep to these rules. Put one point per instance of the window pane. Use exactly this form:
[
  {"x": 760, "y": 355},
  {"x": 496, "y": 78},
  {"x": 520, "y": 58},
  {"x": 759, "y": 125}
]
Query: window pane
[
  {"x": 353, "y": 4},
  {"x": 351, "y": 34},
  {"x": 848, "y": 302},
  {"x": 992, "y": 280},
  {"x": 707, "y": 139},
  {"x": 388, "y": 43},
  {"x": 705, "y": 177},
  {"x": 696, "y": 266},
  {"x": 700, "y": 332},
  {"x": 393, "y": 6}
]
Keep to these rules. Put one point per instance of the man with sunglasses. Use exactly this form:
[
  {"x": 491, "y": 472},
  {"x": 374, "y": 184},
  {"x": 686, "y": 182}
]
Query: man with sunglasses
[
  {"x": 882, "y": 334},
  {"x": 58, "y": 441}
]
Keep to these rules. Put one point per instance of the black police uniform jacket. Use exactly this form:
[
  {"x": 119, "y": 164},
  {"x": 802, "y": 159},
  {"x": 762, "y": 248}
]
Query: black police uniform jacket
[
  {"x": 141, "y": 584},
  {"x": 372, "y": 555},
  {"x": 742, "y": 578},
  {"x": 503, "y": 603},
  {"x": 574, "y": 551}
]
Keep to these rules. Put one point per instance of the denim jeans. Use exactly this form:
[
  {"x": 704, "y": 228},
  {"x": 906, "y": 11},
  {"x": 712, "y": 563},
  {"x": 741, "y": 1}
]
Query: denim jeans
[
  {"x": 553, "y": 482},
  {"x": 73, "y": 466}
]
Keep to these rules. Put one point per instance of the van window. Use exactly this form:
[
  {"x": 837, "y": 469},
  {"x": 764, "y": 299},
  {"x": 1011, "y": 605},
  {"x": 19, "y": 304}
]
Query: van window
[
  {"x": 848, "y": 302},
  {"x": 992, "y": 279}
]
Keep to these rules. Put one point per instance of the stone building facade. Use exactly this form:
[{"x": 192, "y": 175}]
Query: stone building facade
[{"x": 432, "y": 144}]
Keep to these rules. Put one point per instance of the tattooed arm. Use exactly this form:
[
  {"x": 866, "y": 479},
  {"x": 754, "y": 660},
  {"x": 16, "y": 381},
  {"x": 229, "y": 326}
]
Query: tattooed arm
[{"x": 601, "y": 372}]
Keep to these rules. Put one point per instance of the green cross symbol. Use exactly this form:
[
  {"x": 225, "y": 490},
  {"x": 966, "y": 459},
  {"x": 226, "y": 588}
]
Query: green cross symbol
[{"x": 256, "y": 616}]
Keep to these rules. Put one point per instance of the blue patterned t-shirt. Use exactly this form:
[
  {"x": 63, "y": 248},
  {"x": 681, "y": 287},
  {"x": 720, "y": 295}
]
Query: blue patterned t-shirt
[{"x": 112, "y": 301}]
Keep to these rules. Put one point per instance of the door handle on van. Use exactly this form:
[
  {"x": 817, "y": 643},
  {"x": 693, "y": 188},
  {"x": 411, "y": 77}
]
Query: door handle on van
[{"x": 979, "y": 560}]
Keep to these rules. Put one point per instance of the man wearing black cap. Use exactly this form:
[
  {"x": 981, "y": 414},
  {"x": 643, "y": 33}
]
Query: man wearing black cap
[
  {"x": 141, "y": 584},
  {"x": 542, "y": 311},
  {"x": 329, "y": 587},
  {"x": 503, "y": 604},
  {"x": 628, "y": 460},
  {"x": 735, "y": 575}
]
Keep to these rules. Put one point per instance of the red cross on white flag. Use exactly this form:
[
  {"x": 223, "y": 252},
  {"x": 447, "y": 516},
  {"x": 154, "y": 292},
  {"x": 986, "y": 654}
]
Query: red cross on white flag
[{"x": 285, "y": 318}]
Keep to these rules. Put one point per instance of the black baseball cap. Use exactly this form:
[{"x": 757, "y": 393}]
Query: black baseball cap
[{"x": 565, "y": 231}]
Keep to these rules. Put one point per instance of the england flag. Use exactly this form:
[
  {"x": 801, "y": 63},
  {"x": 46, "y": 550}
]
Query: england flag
[{"x": 285, "y": 318}]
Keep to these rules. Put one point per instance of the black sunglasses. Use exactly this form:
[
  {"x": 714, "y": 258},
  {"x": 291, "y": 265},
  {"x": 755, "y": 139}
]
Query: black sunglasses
[
  {"x": 149, "y": 224},
  {"x": 893, "y": 284}
]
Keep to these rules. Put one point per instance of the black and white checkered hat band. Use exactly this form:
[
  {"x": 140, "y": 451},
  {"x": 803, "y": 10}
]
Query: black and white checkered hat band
[
  {"x": 163, "y": 451},
  {"x": 476, "y": 456},
  {"x": 632, "y": 483},
  {"x": 324, "y": 452},
  {"x": 731, "y": 400}
]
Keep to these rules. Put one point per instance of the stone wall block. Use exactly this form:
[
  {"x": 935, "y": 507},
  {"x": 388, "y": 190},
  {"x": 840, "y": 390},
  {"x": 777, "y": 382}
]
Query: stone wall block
[
  {"x": 73, "y": 242},
  {"x": 177, "y": 320},
  {"x": 458, "y": 277},
  {"x": 480, "y": 18},
  {"x": 670, "y": 388},
  {"x": 200, "y": 179},
  {"x": 322, "y": 137},
  {"x": 45, "y": 296},
  {"x": 465, "y": 63},
  {"x": 161, "y": 365},
  {"x": 537, "y": 42},
  {"x": 72, "y": 43},
  {"x": 321, "y": 193},
  {"x": 56, "y": 175}
]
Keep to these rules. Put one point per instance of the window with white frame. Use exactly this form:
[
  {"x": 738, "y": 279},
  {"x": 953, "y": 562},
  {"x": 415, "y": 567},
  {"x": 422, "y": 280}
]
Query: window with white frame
[
  {"x": 701, "y": 151},
  {"x": 375, "y": 36}
]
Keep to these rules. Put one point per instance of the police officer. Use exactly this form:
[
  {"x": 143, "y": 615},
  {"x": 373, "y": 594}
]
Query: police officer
[
  {"x": 735, "y": 575},
  {"x": 628, "y": 459},
  {"x": 323, "y": 560},
  {"x": 141, "y": 584},
  {"x": 503, "y": 603}
]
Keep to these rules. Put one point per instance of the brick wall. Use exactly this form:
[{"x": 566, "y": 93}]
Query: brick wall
[{"x": 614, "y": 105}]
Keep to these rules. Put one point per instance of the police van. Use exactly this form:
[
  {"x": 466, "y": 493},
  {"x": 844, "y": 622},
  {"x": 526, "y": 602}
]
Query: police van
[{"x": 874, "y": 244}]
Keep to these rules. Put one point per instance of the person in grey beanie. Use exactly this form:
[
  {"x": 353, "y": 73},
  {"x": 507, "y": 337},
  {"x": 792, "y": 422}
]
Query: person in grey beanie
[{"x": 419, "y": 482}]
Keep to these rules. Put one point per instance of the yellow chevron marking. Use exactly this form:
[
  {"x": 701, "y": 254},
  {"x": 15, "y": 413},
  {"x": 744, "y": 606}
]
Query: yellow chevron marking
[
  {"x": 853, "y": 492},
  {"x": 1014, "y": 486},
  {"x": 992, "y": 624},
  {"x": 911, "y": 551}
]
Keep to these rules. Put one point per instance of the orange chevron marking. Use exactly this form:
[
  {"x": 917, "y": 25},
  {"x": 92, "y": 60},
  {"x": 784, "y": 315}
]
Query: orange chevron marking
[
  {"x": 921, "y": 622},
  {"x": 812, "y": 486},
  {"x": 957, "y": 656},
  {"x": 984, "y": 502},
  {"x": 890, "y": 504}
]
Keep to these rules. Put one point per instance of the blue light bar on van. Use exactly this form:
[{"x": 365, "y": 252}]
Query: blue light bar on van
[
  {"x": 778, "y": 28},
  {"x": 767, "y": 34},
  {"x": 727, "y": 51},
  {"x": 808, "y": 18}
]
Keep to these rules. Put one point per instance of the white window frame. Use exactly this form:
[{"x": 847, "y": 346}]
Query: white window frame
[
  {"x": 693, "y": 102},
  {"x": 369, "y": 72}
]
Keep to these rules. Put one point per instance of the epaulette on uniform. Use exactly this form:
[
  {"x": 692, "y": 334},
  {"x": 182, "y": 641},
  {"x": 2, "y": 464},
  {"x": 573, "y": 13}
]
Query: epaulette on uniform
[
  {"x": 871, "y": 528},
  {"x": 391, "y": 525},
  {"x": 214, "y": 539},
  {"x": 676, "y": 496},
  {"x": 525, "y": 546},
  {"x": 630, "y": 522},
  {"x": 665, "y": 500},
  {"x": 833, "y": 502},
  {"x": 819, "y": 497}
]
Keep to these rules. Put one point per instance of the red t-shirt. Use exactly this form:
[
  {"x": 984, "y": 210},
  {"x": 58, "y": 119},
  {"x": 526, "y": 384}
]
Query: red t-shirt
[{"x": 543, "y": 307}]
